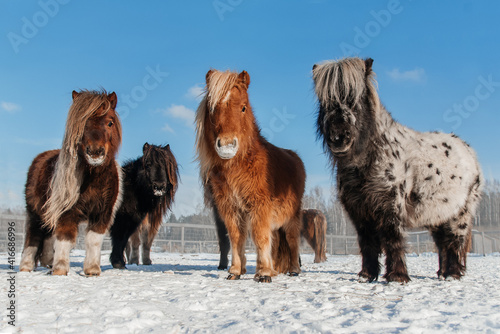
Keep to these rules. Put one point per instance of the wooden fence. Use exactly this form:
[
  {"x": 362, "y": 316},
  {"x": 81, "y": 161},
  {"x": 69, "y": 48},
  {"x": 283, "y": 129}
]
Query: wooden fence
[{"x": 193, "y": 238}]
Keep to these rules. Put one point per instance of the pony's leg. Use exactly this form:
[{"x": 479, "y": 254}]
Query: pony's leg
[
  {"x": 47, "y": 257},
  {"x": 457, "y": 243},
  {"x": 93, "y": 244},
  {"x": 394, "y": 244},
  {"x": 438, "y": 234},
  {"x": 134, "y": 243},
  {"x": 32, "y": 243},
  {"x": 261, "y": 235},
  {"x": 148, "y": 237},
  {"x": 121, "y": 230},
  {"x": 222, "y": 236},
  {"x": 237, "y": 235},
  {"x": 66, "y": 233},
  {"x": 370, "y": 249}
]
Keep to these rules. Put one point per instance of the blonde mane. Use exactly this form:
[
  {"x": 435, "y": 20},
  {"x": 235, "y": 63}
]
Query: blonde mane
[
  {"x": 219, "y": 85},
  {"x": 342, "y": 81},
  {"x": 64, "y": 189}
]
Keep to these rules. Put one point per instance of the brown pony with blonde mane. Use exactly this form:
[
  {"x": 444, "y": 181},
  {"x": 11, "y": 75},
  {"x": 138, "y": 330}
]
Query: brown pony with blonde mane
[
  {"x": 254, "y": 185},
  {"x": 81, "y": 182},
  {"x": 314, "y": 231}
]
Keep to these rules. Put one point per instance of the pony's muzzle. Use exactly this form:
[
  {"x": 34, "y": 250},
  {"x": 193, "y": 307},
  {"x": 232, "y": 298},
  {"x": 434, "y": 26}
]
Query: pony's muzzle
[
  {"x": 95, "y": 156},
  {"x": 226, "y": 150},
  {"x": 340, "y": 141},
  {"x": 159, "y": 188}
]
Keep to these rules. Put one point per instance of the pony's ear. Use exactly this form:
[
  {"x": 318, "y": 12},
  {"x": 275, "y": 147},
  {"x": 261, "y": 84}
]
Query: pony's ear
[
  {"x": 168, "y": 147},
  {"x": 314, "y": 66},
  {"x": 207, "y": 77},
  {"x": 145, "y": 147},
  {"x": 244, "y": 78},
  {"x": 368, "y": 65},
  {"x": 75, "y": 94},
  {"x": 112, "y": 99}
]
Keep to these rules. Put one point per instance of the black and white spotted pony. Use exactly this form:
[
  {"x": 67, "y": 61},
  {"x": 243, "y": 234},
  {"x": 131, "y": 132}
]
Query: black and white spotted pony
[{"x": 390, "y": 177}]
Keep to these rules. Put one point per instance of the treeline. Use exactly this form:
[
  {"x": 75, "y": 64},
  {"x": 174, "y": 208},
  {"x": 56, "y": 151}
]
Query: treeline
[{"x": 487, "y": 218}]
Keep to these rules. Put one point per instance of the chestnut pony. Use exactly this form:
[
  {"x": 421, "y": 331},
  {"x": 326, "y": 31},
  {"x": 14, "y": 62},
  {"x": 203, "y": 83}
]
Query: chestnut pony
[
  {"x": 80, "y": 182},
  {"x": 314, "y": 231},
  {"x": 254, "y": 185}
]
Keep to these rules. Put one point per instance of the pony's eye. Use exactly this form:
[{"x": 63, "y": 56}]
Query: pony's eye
[
  {"x": 110, "y": 124},
  {"x": 244, "y": 108}
]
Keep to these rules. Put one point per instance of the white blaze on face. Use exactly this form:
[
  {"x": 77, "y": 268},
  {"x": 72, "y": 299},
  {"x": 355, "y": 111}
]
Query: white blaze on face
[{"x": 228, "y": 95}]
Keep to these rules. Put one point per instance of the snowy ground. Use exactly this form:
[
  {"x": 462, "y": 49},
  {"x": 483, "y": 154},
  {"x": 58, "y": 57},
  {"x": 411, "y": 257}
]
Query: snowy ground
[{"x": 184, "y": 293}]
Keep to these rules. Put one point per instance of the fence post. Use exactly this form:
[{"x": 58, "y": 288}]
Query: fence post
[
  {"x": 345, "y": 244},
  {"x": 482, "y": 236},
  {"x": 331, "y": 244},
  {"x": 418, "y": 244},
  {"x": 182, "y": 240}
]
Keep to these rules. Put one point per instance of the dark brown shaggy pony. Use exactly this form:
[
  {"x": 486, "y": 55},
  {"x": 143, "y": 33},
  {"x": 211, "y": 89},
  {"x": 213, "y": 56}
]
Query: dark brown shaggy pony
[
  {"x": 390, "y": 177},
  {"x": 149, "y": 186},
  {"x": 255, "y": 185},
  {"x": 81, "y": 182},
  {"x": 314, "y": 231}
]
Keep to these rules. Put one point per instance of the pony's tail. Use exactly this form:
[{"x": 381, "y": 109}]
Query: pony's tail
[{"x": 281, "y": 253}]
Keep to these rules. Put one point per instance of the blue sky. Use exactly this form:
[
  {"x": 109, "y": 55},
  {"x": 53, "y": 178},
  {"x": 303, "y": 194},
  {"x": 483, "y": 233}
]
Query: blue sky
[{"x": 437, "y": 66}]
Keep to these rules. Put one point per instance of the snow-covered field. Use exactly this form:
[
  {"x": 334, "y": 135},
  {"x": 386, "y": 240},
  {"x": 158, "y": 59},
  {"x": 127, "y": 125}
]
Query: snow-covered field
[{"x": 185, "y": 293}]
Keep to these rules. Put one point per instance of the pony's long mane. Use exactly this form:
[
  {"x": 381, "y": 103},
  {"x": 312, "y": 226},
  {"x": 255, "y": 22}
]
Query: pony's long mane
[
  {"x": 64, "y": 189},
  {"x": 220, "y": 83},
  {"x": 343, "y": 81},
  {"x": 168, "y": 159}
]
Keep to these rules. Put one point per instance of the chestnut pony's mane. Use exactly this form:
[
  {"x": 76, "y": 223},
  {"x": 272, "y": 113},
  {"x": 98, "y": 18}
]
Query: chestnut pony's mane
[
  {"x": 220, "y": 84},
  {"x": 64, "y": 189}
]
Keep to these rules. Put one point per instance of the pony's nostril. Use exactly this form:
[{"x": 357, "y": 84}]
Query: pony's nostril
[
  {"x": 218, "y": 142},
  {"x": 235, "y": 142}
]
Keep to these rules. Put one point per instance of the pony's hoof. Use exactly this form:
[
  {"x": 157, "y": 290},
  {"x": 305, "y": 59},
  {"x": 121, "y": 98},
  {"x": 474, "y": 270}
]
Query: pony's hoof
[
  {"x": 222, "y": 267},
  {"x": 92, "y": 272},
  {"x": 92, "y": 275},
  {"x": 233, "y": 277},
  {"x": 451, "y": 277},
  {"x": 147, "y": 262},
  {"x": 263, "y": 279},
  {"x": 293, "y": 274},
  {"x": 25, "y": 270},
  {"x": 364, "y": 277},
  {"x": 60, "y": 272},
  {"x": 397, "y": 277},
  {"x": 119, "y": 266}
]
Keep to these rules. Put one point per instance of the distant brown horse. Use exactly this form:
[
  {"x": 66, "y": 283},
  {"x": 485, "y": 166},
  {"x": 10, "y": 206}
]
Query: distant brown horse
[
  {"x": 314, "y": 231},
  {"x": 255, "y": 185},
  {"x": 81, "y": 182}
]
